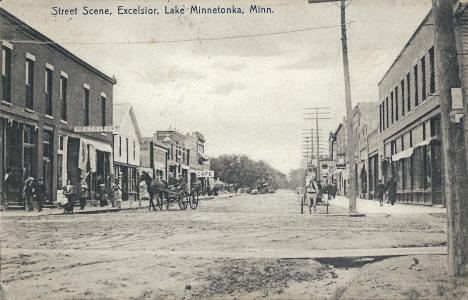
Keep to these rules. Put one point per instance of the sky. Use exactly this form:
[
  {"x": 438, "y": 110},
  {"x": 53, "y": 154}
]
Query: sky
[{"x": 244, "y": 81}]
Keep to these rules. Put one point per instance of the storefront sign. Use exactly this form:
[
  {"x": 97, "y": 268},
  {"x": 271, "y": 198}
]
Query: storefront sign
[
  {"x": 95, "y": 128},
  {"x": 209, "y": 174}
]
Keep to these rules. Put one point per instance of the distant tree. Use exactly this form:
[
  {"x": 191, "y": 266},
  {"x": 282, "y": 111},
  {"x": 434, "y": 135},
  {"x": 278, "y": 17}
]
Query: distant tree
[{"x": 244, "y": 172}]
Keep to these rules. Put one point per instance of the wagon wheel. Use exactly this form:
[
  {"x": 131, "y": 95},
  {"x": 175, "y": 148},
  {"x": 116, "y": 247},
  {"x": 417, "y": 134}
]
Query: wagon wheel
[
  {"x": 193, "y": 199},
  {"x": 159, "y": 200},
  {"x": 182, "y": 200}
]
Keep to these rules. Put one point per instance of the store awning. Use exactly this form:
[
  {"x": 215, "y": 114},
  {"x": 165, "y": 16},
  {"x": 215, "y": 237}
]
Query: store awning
[
  {"x": 99, "y": 145},
  {"x": 403, "y": 154},
  {"x": 408, "y": 152}
]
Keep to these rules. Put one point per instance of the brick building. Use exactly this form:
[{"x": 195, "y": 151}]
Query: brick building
[
  {"x": 365, "y": 120},
  {"x": 179, "y": 154},
  {"x": 154, "y": 157},
  {"x": 410, "y": 120},
  {"x": 45, "y": 92}
]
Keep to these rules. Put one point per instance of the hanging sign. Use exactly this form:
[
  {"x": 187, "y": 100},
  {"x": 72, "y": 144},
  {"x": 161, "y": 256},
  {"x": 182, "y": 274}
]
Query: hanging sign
[{"x": 209, "y": 174}]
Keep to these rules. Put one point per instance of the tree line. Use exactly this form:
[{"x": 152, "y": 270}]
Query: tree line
[{"x": 244, "y": 172}]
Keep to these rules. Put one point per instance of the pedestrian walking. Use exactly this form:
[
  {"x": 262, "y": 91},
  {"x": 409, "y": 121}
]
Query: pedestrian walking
[
  {"x": 28, "y": 193},
  {"x": 83, "y": 194},
  {"x": 392, "y": 189},
  {"x": 68, "y": 191},
  {"x": 380, "y": 191},
  {"x": 40, "y": 192}
]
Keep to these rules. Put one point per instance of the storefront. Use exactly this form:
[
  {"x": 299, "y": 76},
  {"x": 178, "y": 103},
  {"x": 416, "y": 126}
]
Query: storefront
[
  {"x": 418, "y": 173},
  {"x": 87, "y": 163},
  {"x": 18, "y": 149}
]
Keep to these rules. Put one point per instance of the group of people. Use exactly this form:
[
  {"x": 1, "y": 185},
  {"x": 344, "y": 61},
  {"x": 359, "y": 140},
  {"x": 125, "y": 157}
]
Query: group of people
[
  {"x": 390, "y": 188},
  {"x": 34, "y": 191}
]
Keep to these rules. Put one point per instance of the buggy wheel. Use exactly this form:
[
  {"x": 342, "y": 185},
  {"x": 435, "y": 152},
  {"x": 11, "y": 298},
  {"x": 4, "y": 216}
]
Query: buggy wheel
[
  {"x": 182, "y": 200},
  {"x": 193, "y": 200}
]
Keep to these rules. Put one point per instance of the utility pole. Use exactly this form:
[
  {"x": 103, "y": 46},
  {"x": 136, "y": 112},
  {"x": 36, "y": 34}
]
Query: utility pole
[
  {"x": 453, "y": 137},
  {"x": 349, "y": 110},
  {"x": 322, "y": 115}
]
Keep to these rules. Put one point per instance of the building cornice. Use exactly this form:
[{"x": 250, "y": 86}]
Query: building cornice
[{"x": 47, "y": 42}]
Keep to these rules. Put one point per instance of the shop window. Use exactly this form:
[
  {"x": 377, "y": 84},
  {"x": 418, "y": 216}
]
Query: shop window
[
  {"x": 28, "y": 135},
  {"x": 47, "y": 144},
  {"x": 63, "y": 98},
  {"x": 432, "y": 74},
  {"x": 29, "y": 81},
  {"x": 435, "y": 126},
  {"x": 424, "y": 131},
  {"x": 403, "y": 174},
  {"x": 59, "y": 171},
  {"x": 6, "y": 74}
]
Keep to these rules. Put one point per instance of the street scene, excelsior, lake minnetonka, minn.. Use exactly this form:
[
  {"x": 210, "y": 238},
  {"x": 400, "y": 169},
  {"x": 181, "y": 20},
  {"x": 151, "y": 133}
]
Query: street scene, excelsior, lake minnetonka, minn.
[{"x": 271, "y": 149}]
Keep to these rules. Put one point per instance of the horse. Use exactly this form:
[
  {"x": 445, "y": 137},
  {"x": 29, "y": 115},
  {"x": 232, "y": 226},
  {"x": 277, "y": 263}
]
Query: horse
[{"x": 154, "y": 187}]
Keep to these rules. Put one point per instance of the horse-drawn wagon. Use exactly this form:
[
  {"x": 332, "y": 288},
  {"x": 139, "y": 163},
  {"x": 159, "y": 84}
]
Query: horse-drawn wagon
[{"x": 166, "y": 194}]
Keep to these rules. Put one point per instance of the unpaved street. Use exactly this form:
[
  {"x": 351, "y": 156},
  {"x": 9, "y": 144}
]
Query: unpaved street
[{"x": 242, "y": 247}]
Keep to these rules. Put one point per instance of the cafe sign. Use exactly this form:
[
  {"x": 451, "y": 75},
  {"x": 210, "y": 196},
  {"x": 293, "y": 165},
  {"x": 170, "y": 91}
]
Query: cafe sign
[
  {"x": 95, "y": 128},
  {"x": 209, "y": 174}
]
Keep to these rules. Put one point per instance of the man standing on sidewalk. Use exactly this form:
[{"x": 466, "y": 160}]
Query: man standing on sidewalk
[
  {"x": 380, "y": 191},
  {"x": 391, "y": 189},
  {"x": 40, "y": 193}
]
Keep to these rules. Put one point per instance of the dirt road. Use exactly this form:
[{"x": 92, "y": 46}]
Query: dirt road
[{"x": 214, "y": 252}]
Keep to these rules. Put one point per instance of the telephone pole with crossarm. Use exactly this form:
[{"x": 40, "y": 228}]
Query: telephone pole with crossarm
[{"x": 349, "y": 108}]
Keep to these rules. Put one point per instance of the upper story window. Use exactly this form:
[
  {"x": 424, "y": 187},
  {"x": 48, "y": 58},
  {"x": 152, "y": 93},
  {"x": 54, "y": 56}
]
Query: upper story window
[
  {"x": 63, "y": 96},
  {"x": 396, "y": 103},
  {"x": 120, "y": 145},
  {"x": 402, "y": 83},
  {"x": 86, "y": 104},
  {"x": 408, "y": 94},
  {"x": 386, "y": 108},
  {"x": 134, "y": 149},
  {"x": 103, "y": 109},
  {"x": 423, "y": 78},
  {"x": 416, "y": 95},
  {"x": 391, "y": 99},
  {"x": 29, "y": 82},
  {"x": 432, "y": 74},
  {"x": 48, "y": 90},
  {"x": 380, "y": 118},
  {"x": 6, "y": 73}
]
